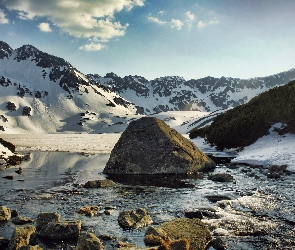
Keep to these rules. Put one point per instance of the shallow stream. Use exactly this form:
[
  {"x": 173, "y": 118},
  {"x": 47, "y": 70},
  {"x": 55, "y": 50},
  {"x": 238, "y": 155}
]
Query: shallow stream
[{"x": 257, "y": 213}]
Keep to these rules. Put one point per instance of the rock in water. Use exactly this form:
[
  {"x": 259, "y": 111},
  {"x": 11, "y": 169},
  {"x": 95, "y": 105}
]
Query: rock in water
[
  {"x": 5, "y": 213},
  {"x": 21, "y": 237},
  {"x": 150, "y": 146}
]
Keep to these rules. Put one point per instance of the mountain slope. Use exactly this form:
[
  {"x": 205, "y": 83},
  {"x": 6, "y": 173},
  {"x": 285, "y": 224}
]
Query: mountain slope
[
  {"x": 47, "y": 94},
  {"x": 243, "y": 125}
]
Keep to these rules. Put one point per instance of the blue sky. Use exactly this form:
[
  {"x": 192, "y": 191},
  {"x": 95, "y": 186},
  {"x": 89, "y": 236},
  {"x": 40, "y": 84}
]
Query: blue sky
[{"x": 154, "y": 38}]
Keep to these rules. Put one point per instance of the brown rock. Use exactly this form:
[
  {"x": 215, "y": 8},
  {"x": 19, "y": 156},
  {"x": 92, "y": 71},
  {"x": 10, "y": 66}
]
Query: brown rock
[
  {"x": 99, "y": 184},
  {"x": 193, "y": 230},
  {"x": 134, "y": 218},
  {"x": 21, "y": 237},
  {"x": 89, "y": 241},
  {"x": 5, "y": 213}
]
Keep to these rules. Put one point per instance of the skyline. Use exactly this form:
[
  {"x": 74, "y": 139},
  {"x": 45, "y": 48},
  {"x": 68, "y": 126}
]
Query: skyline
[{"x": 191, "y": 39}]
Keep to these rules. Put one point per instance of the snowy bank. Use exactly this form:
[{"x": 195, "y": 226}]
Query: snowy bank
[{"x": 271, "y": 149}]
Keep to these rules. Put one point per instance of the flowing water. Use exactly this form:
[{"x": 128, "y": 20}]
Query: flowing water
[{"x": 255, "y": 213}]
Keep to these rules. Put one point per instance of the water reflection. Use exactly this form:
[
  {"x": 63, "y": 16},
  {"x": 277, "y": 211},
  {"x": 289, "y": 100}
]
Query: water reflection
[{"x": 47, "y": 169}]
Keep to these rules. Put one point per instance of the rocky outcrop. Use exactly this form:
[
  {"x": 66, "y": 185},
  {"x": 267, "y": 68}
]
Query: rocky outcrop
[
  {"x": 182, "y": 233},
  {"x": 21, "y": 237},
  {"x": 150, "y": 146},
  {"x": 49, "y": 226},
  {"x": 27, "y": 111},
  {"x": 11, "y": 106},
  {"x": 5, "y": 213},
  {"x": 134, "y": 218},
  {"x": 89, "y": 241}
]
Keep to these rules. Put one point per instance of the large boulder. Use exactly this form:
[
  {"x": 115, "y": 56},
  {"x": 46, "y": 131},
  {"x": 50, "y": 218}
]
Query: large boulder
[{"x": 150, "y": 146}]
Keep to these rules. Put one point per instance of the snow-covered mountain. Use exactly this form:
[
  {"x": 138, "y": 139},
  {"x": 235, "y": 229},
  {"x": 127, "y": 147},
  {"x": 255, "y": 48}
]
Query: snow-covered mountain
[
  {"x": 175, "y": 93},
  {"x": 46, "y": 94},
  {"x": 42, "y": 93}
]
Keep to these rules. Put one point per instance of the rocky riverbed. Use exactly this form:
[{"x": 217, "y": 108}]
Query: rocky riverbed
[
  {"x": 245, "y": 207},
  {"x": 251, "y": 212}
]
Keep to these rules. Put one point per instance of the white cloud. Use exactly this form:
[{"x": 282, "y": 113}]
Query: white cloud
[
  {"x": 177, "y": 24},
  {"x": 187, "y": 19},
  {"x": 157, "y": 20},
  {"x": 80, "y": 18},
  {"x": 3, "y": 19},
  {"x": 201, "y": 24},
  {"x": 190, "y": 16},
  {"x": 92, "y": 47},
  {"x": 45, "y": 27}
]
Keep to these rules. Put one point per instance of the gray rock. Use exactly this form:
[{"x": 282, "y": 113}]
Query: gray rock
[
  {"x": 49, "y": 226},
  {"x": 44, "y": 219},
  {"x": 134, "y": 218},
  {"x": 150, "y": 146},
  {"x": 21, "y": 237},
  {"x": 219, "y": 244},
  {"x": 89, "y": 241},
  {"x": 61, "y": 230},
  {"x": 221, "y": 177},
  {"x": 5, "y": 213}
]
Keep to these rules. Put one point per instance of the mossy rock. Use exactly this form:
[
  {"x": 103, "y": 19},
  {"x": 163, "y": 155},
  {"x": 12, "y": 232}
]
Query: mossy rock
[{"x": 193, "y": 230}]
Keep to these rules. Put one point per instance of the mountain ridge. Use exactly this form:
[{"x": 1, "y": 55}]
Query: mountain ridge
[{"x": 54, "y": 91}]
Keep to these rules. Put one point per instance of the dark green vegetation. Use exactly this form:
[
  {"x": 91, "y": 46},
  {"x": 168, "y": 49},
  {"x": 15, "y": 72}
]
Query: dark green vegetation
[{"x": 243, "y": 125}]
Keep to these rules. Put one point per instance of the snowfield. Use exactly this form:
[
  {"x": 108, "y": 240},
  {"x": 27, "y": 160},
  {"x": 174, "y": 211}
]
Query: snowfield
[
  {"x": 268, "y": 150},
  {"x": 272, "y": 149}
]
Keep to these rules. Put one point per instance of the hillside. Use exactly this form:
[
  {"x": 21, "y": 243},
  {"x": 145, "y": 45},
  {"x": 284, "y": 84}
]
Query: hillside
[
  {"x": 243, "y": 125},
  {"x": 42, "y": 93}
]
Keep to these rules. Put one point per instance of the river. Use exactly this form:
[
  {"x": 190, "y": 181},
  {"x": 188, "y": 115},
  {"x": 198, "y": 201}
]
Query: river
[{"x": 257, "y": 213}]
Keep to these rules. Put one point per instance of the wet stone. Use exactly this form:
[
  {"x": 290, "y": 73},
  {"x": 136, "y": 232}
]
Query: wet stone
[
  {"x": 136, "y": 218},
  {"x": 5, "y": 213},
  {"x": 89, "y": 241},
  {"x": 219, "y": 244},
  {"x": 216, "y": 198},
  {"x": 221, "y": 177},
  {"x": 21, "y": 237},
  {"x": 19, "y": 220},
  {"x": 99, "y": 184}
]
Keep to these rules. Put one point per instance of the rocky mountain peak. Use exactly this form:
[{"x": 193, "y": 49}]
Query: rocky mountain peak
[
  {"x": 42, "y": 59},
  {"x": 5, "y": 50}
]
